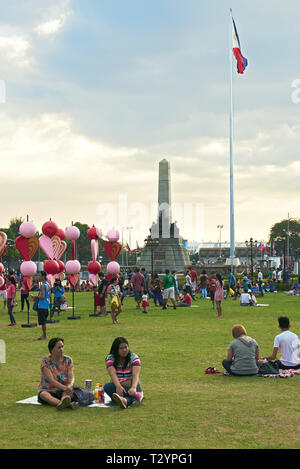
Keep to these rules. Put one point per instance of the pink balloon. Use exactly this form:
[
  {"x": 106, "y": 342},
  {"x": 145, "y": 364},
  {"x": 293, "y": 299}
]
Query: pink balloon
[
  {"x": 99, "y": 232},
  {"x": 113, "y": 235},
  {"x": 72, "y": 232},
  {"x": 73, "y": 267},
  {"x": 27, "y": 229},
  {"x": 1, "y": 268},
  {"x": 93, "y": 279},
  {"x": 46, "y": 246},
  {"x": 113, "y": 267},
  {"x": 28, "y": 268}
]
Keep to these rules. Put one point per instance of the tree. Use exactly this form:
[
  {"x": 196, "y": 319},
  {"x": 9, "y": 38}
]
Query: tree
[
  {"x": 279, "y": 235},
  {"x": 14, "y": 225}
]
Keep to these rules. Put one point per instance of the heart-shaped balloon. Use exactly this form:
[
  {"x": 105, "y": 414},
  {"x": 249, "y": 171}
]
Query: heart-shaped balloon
[
  {"x": 112, "y": 249},
  {"x": 3, "y": 250},
  {"x": 94, "y": 249},
  {"x": 27, "y": 247},
  {"x": 93, "y": 279},
  {"x": 46, "y": 246},
  {"x": 3, "y": 240},
  {"x": 28, "y": 282},
  {"x": 58, "y": 246},
  {"x": 73, "y": 279}
]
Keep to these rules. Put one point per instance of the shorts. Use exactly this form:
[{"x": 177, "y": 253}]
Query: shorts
[
  {"x": 137, "y": 295},
  {"x": 58, "y": 395},
  {"x": 3, "y": 294},
  {"x": 42, "y": 316},
  {"x": 102, "y": 301},
  {"x": 212, "y": 295},
  {"x": 169, "y": 293}
]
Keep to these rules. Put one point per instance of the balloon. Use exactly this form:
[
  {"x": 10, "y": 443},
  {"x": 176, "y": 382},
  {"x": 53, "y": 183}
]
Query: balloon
[
  {"x": 93, "y": 279},
  {"x": 27, "y": 229},
  {"x": 1, "y": 281},
  {"x": 61, "y": 266},
  {"x": 73, "y": 267},
  {"x": 113, "y": 235},
  {"x": 49, "y": 228},
  {"x": 58, "y": 246},
  {"x": 94, "y": 248},
  {"x": 1, "y": 268},
  {"x": 51, "y": 267},
  {"x": 3, "y": 239},
  {"x": 94, "y": 267},
  {"x": 92, "y": 233},
  {"x": 50, "y": 279},
  {"x": 72, "y": 232},
  {"x": 113, "y": 267},
  {"x": 28, "y": 268},
  {"x": 46, "y": 246},
  {"x": 27, "y": 247},
  {"x": 112, "y": 249},
  {"x": 73, "y": 279},
  {"x": 61, "y": 234},
  {"x": 99, "y": 233}
]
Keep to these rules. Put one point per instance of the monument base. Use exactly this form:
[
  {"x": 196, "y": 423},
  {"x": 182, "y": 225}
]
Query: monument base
[
  {"x": 166, "y": 253},
  {"x": 235, "y": 261}
]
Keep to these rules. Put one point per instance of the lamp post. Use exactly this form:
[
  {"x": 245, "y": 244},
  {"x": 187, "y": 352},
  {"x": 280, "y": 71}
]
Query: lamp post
[
  {"x": 250, "y": 243},
  {"x": 152, "y": 242},
  {"x": 220, "y": 228},
  {"x": 129, "y": 228}
]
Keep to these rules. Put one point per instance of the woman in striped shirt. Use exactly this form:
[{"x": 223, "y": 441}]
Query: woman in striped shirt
[{"x": 124, "y": 370}]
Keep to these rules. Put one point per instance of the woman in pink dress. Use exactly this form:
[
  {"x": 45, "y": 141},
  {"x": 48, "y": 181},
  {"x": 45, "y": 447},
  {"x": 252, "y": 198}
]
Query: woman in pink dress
[{"x": 219, "y": 294}]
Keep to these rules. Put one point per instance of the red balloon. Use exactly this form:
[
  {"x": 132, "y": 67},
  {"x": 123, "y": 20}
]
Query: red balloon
[
  {"x": 61, "y": 234},
  {"x": 49, "y": 228},
  {"x": 51, "y": 267},
  {"x": 94, "y": 267},
  {"x": 92, "y": 233},
  {"x": 61, "y": 266}
]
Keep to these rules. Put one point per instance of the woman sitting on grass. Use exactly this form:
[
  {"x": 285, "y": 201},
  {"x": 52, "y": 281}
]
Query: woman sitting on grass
[
  {"x": 57, "y": 377},
  {"x": 242, "y": 356},
  {"x": 124, "y": 370}
]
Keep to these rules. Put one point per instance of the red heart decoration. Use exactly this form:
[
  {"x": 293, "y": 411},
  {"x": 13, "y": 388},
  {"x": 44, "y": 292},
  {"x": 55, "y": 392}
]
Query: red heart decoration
[
  {"x": 27, "y": 247},
  {"x": 112, "y": 249},
  {"x": 73, "y": 279}
]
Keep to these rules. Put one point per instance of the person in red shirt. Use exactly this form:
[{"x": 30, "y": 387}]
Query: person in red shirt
[
  {"x": 212, "y": 288},
  {"x": 138, "y": 284},
  {"x": 11, "y": 292},
  {"x": 186, "y": 299},
  {"x": 193, "y": 275}
]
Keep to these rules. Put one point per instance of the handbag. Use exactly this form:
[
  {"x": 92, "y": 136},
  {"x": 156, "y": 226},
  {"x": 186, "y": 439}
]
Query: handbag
[
  {"x": 114, "y": 302},
  {"x": 269, "y": 368},
  {"x": 35, "y": 304},
  {"x": 83, "y": 396}
]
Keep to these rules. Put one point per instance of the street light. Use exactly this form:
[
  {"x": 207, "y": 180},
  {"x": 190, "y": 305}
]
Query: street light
[
  {"x": 250, "y": 243},
  {"x": 220, "y": 227},
  {"x": 129, "y": 228}
]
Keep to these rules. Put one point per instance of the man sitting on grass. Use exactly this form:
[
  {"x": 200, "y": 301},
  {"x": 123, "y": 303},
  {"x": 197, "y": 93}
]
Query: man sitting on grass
[{"x": 288, "y": 344}]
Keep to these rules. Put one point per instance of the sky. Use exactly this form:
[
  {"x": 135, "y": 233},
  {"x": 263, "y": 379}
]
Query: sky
[{"x": 93, "y": 94}]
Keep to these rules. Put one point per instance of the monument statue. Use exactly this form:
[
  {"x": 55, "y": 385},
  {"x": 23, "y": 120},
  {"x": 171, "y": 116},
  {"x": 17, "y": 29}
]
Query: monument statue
[{"x": 164, "y": 248}]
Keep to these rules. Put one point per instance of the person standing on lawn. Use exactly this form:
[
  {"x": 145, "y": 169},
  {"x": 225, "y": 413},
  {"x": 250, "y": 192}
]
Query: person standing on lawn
[
  {"x": 138, "y": 285},
  {"x": 43, "y": 303},
  {"x": 219, "y": 294},
  {"x": 168, "y": 289},
  {"x": 11, "y": 293}
]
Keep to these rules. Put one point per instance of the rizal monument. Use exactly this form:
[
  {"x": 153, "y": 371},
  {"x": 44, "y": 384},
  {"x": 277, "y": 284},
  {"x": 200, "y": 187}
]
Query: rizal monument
[{"x": 164, "y": 247}]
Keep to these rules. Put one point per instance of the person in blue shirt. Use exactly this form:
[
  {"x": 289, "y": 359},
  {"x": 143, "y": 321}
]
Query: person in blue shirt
[
  {"x": 43, "y": 303},
  {"x": 58, "y": 291}
]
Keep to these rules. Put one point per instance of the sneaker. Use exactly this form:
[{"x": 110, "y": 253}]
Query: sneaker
[
  {"x": 139, "y": 396},
  {"x": 12, "y": 324},
  {"x": 121, "y": 401},
  {"x": 65, "y": 402},
  {"x": 74, "y": 405}
]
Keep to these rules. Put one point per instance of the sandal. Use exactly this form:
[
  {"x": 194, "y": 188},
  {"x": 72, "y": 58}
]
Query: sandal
[{"x": 211, "y": 370}]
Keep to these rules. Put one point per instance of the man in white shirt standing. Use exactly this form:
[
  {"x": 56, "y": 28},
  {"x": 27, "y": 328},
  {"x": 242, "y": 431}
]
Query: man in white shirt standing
[{"x": 288, "y": 344}]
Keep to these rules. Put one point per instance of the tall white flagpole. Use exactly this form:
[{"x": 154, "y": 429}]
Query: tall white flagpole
[{"x": 232, "y": 241}]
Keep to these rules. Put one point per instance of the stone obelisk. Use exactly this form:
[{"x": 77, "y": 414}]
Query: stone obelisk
[{"x": 164, "y": 248}]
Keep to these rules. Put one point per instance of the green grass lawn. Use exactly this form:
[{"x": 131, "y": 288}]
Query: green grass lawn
[{"x": 183, "y": 407}]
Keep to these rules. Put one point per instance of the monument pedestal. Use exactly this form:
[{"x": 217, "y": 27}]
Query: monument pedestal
[{"x": 167, "y": 253}]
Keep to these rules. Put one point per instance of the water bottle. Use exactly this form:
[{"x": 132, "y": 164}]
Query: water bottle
[{"x": 101, "y": 394}]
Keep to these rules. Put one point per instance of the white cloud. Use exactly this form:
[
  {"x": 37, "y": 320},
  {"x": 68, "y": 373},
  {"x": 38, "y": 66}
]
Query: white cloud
[
  {"x": 51, "y": 27},
  {"x": 15, "y": 48}
]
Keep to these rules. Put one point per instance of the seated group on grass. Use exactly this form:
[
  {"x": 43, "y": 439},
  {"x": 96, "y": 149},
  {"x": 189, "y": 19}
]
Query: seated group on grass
[
  {"x": 243, "y": 352},
  {"x": 57, "y": 376}
]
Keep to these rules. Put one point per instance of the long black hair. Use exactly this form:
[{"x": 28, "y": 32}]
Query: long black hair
[
  {"x": 114, "y": 350},
  {"x": 219, "y": 277}
]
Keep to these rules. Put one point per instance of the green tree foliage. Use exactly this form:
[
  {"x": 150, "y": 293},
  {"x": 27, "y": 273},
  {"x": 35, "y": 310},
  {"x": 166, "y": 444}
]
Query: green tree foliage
[{"x": 279, "y": 236}]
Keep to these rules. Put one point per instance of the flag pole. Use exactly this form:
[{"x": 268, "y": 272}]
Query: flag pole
[{"x": 232, "y": 240}]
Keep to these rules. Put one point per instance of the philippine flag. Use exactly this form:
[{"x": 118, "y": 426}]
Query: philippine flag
[{"x": 242, "y": 62}]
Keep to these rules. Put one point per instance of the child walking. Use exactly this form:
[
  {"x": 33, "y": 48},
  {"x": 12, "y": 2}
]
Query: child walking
[
  {"x": 11, "y": 293},
  {"x": 145, "y": 303}
]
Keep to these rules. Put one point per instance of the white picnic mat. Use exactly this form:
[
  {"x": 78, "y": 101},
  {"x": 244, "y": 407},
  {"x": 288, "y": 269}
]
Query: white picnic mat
[{"x": 34, "y": 400}]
